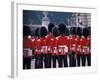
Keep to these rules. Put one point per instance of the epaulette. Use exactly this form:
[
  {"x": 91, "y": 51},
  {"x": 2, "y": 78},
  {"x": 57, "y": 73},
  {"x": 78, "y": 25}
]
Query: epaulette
[{"x": 57, "y": 37}]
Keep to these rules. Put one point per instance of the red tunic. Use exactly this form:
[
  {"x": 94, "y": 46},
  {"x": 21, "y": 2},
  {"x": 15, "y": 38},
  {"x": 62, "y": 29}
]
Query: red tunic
[
  {"x": 27, "y": 47},
  {"x": 85, "y": 45},
  {"x": 63, "y": 45},
  {"x": 89, "y": 42},
  {"x": 34, "y": 45},
  {"x": 73, "y": 43},
  {"x": 27, "y": 43},
  {"x": 37, "y": 46},
  {"x": 42, "y": 45},
  {"x": 34, "y": 42},
  {"x": 54, "y": 46},
  {"x": 49, "y": 43},
  {"x": 78, "y": 44}
]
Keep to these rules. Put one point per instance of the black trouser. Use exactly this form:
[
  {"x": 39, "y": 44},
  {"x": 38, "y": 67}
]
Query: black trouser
[
  {"x": 62, "y": 60},
  {"x": 83, "y": 59},
  {"x": 38, "y": 61},
  {"x": 88, "y": 59},
  {"x": 65, "y": 61},
  {"x": 54, "y": 57},
  {"x": 72, "y": 59},
  {"x": 26, "y": 62},
  {"x": 78, "y": 59},
  {"x": 33, "y": 54},
  {"x": 47, "y": 61}
]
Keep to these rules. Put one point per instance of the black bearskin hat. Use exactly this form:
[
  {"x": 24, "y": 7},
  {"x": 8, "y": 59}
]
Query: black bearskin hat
[
  {"x": 50, "y": 27},
  {"x": 89, "y": 28},
  {"x": 55, "y": 32},
  {"x": 79, "y": 31},
  {"x": 43, "y": 32},
  {"x": 85, "y": 32},
  {"x": 62, "y": 28},
  {"x": 26, "y": 31},
  {"x": 73, "y": 30},
  {"x": 37, "y": 32},
  {"x": 67, "y": 32}
]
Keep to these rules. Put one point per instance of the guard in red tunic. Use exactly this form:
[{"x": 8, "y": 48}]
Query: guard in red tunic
[
  {"x": 54, "y": 44},
  {"x": 73, "y": 40},
  {"x": 43, "y": 46},
  {"x": 85, "y": 45},
  {"x": 89, "y": 45},
  {"x": 36, "y": 49},
  {"x": 34, "y": 43},
  {"x": 34, "y": 38},
  {"x": 27, "y": 52},
  {"x": 48, "y": 56},
  {"x": 62, "y": 46},
  {"x": 88, "y": 55},
  {"x": 78, "y": 43}
]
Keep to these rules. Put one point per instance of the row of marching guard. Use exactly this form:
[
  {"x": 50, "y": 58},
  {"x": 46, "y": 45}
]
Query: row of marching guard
[{"x": 58, "y": 47}]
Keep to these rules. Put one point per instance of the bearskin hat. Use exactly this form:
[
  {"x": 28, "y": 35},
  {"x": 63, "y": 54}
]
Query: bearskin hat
[
  {"x": 73, "y": 30},
  {"x": 67, "y": 31},
  {"x": 55, "y": 32},
  {"x": 37, "y": 32},
  {"x": 26, "y": 31},
  {"x": 85, "y": 32},
  {"x": 79, "y": 31},
  {"x": 43, "y": 32},
  {"x": 50, "y": 26},
  {"x": 89, "y": 28},
  {"x": 62, "y": 28}
]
